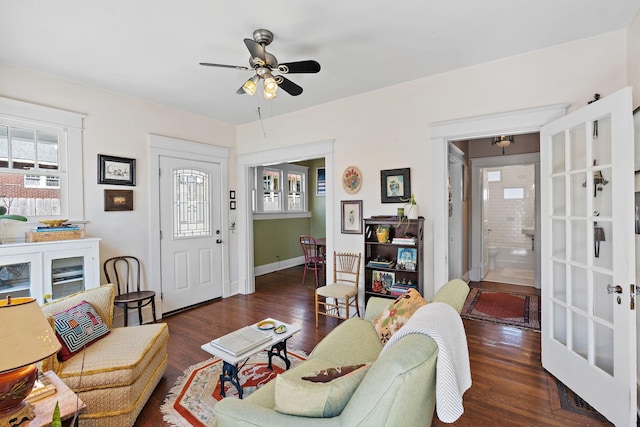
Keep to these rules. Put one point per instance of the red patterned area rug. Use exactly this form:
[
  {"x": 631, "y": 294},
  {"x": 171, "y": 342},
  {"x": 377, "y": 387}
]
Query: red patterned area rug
[
  {"x": 191, "y": 400},
  {"x": 504, "y": 308}
]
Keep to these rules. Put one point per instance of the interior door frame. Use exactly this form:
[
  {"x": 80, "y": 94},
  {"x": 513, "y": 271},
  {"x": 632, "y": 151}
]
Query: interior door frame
[
  {"x": 456, "y": 165},
  {"x": 323, "y": 149},
  {"x": 507, "y": 123},
  {"x": 179, "y": 148}
]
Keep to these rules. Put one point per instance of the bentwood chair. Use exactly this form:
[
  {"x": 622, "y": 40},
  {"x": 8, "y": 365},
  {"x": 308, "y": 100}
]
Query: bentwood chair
[
  {"x": 126, "y": 272},
  {"x": 313, "y": 258},
  {"x": 336, "y": 299}
]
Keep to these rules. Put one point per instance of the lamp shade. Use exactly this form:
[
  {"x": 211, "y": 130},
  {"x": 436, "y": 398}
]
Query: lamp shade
[{"x": 25, "y": 334}]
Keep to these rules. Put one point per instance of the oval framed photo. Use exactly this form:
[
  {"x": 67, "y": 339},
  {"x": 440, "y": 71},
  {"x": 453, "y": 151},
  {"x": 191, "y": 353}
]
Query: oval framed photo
[{"x": 351, "y": 179}]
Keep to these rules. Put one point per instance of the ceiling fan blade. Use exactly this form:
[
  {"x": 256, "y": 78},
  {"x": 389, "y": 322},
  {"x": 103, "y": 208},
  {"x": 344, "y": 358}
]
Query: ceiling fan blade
[
  {"x": 237, "y": 67},
  {"x": 309, "y": 66},
  {"x": 241, "y": 91},
  {"x": 288, "y": 86},
  {"x": 256, "y": 49}
]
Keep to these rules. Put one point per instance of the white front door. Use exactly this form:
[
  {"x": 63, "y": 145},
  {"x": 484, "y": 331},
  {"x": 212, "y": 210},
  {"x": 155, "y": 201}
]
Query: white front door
[
  {"x": 588, "y": 255},
  {"x": 191, "y": 236}
]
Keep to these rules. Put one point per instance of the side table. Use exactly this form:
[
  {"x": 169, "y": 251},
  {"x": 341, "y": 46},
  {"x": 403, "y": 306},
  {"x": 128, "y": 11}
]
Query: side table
[{"x": 67, "y": 400}]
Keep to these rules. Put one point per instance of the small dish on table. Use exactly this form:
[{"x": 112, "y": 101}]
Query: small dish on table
[
  {"x": 280, "y": 329},
  {"x": 266, "y": 324}
]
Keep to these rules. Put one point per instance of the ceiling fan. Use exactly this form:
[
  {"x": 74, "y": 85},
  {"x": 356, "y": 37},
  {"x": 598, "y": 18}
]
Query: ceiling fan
[{"x": 264, "y": 64}]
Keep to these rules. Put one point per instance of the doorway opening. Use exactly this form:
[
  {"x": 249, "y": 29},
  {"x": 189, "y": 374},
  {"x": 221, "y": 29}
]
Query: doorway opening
[{"x": 508, "y": 202}]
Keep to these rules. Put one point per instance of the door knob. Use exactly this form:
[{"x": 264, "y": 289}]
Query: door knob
[{"x": 614, "y": 289}]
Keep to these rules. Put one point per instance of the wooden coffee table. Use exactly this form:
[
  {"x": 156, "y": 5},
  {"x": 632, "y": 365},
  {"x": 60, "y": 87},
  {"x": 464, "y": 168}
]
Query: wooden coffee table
[{"x": 277, "y": 346}]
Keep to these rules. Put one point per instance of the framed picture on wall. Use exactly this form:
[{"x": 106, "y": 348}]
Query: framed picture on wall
[
  {"x": 116, "y": 170},
  {"x": 321, "y": 183},
  {"x": 351, "y": 216},
  {"x": 395, "y": 185},
  {"x": 118, "y": 200}
]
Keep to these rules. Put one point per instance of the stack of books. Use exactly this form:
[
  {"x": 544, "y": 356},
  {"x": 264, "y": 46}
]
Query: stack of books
[
  {"x": 241, "y": 341},
  {"x": 381, "y": 263},
  {"x": 62, "y": 227},
  {"x": 404, "y": 241}
]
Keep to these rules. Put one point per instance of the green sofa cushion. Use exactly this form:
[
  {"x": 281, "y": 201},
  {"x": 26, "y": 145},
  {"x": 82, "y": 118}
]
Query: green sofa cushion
[{"x": 316, "y": 399}]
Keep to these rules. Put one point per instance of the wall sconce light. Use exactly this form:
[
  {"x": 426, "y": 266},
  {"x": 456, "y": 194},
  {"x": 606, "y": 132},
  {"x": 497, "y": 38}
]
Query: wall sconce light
[{"x": 503, "y": 141}]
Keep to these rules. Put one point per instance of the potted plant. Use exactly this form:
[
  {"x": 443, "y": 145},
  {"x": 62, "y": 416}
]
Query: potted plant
[
  {"x": 411, "y": 208},
  {"x": 3, "y": 225},
  {"x": 382, "y": 233}
]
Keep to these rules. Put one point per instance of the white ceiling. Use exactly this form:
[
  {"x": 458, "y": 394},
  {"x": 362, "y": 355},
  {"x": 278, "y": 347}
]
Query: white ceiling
[{"x": 150, "y": 49}]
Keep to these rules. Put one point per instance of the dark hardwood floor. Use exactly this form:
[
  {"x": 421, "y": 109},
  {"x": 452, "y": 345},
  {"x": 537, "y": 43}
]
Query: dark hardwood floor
[{"x": 510, "y": 388}]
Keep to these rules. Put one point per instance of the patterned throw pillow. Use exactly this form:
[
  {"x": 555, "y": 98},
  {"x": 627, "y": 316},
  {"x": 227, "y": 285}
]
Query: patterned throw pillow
[
  {"x": 77, "y": 327},
  {"x": 392, "y": 318},
  {"x": 319, "y": 399}
]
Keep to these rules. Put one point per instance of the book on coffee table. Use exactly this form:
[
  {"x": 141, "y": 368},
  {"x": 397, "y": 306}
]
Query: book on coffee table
[{"x": 241, "y": 341}]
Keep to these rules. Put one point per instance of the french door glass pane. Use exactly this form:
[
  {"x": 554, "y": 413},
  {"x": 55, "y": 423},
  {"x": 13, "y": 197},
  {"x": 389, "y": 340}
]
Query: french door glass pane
[
  {"x": 558, "y": 192},
  {"x": 602, "y": 141},
  {"x": 602, "y": 302},
  {"x": 559, "y": 239},
  {"x": 578, "y": 195},
  {"x": 192, "y": 207},
  {"x": 579, "y": 334},
  {"x": 577, "y": 136},
  {"x": 579, "y": 241},
  {"x": 560, "y": 323},
  {"x": 604, "y": 348},
  {"x": 560, "y": 281},
  {"x": 579, "y": 288},
  {"x": 558, "y": 148}
]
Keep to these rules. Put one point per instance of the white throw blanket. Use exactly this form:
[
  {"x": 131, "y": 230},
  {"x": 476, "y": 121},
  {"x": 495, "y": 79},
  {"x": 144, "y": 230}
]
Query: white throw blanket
[{"x": 453, "y": 373}]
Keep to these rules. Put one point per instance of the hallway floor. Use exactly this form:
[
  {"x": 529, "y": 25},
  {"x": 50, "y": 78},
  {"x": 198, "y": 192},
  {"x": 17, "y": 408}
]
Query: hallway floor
[{"x": 513, "y": 276}]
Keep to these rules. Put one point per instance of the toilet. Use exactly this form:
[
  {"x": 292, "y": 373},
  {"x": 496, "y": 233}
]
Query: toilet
[{"x": 493, "y": 251}]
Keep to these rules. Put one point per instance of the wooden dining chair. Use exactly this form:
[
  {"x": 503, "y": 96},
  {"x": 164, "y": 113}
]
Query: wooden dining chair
[
  {"x": 313, "y": 258},
  {"x": 336, "y": 299},
  {"x": 126, "y": 272}
]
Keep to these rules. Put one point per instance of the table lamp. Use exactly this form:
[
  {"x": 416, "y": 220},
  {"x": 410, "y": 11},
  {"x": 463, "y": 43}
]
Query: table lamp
[{"x": 26, "y": 338}]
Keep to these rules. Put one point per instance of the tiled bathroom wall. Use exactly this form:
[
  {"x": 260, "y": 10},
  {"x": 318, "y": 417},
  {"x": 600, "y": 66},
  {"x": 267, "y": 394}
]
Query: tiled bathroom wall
[{"x": 507, "y": 217}]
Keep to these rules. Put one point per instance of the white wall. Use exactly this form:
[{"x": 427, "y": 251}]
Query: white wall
[
  {"x": 389, "y": 128},
  {"x": 118, "y": 125}
]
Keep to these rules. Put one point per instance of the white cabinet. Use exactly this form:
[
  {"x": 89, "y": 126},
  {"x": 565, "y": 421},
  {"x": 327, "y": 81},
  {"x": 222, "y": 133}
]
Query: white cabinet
[{"x": 58, "y": 268}]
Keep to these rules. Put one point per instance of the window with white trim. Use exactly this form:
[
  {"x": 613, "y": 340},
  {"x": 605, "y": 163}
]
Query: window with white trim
[
  {"x": 40, "y": 154},
  {"x": 280, "y": 189}
]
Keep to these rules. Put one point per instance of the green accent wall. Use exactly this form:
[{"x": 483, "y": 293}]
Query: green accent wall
[
  {"x": 275, "y": 238},
  {"x": 278, "y": 239}
]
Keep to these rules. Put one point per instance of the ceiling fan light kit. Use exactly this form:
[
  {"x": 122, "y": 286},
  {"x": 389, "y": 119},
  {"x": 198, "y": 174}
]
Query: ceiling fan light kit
[{"x": 263, "y": 64}]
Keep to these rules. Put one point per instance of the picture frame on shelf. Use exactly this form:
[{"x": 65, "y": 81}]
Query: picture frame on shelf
[
  {"x": 118, "y": 200},
  {"x": 381, "y": 281},
  {"x": 395, "y": 185},
  {"x": 351, "y": 216},
  {"x": 407, "y": 258},
  {"x": 116, "y": 170}
]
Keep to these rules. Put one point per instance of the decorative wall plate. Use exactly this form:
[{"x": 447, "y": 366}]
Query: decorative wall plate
[{"x": 352, "y": 179}]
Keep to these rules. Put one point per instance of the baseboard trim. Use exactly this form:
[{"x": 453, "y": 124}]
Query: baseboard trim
[{"x": 279, "y": 265}]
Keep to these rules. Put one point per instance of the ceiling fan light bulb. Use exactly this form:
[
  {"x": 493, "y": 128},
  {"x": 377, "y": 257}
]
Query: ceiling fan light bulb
[
  {"x": 270, "y": 85},
  {"x": 249, "y": 87},
  {"x": 269, "y": 95}
]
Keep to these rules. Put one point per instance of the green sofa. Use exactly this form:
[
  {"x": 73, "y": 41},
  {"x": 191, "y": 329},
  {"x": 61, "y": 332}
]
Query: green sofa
[{"x": 397, "y": 390}]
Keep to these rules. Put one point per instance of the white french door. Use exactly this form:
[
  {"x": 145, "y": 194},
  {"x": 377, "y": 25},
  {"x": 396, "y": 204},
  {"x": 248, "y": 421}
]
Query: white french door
[{"x": 588, "y": 255}]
